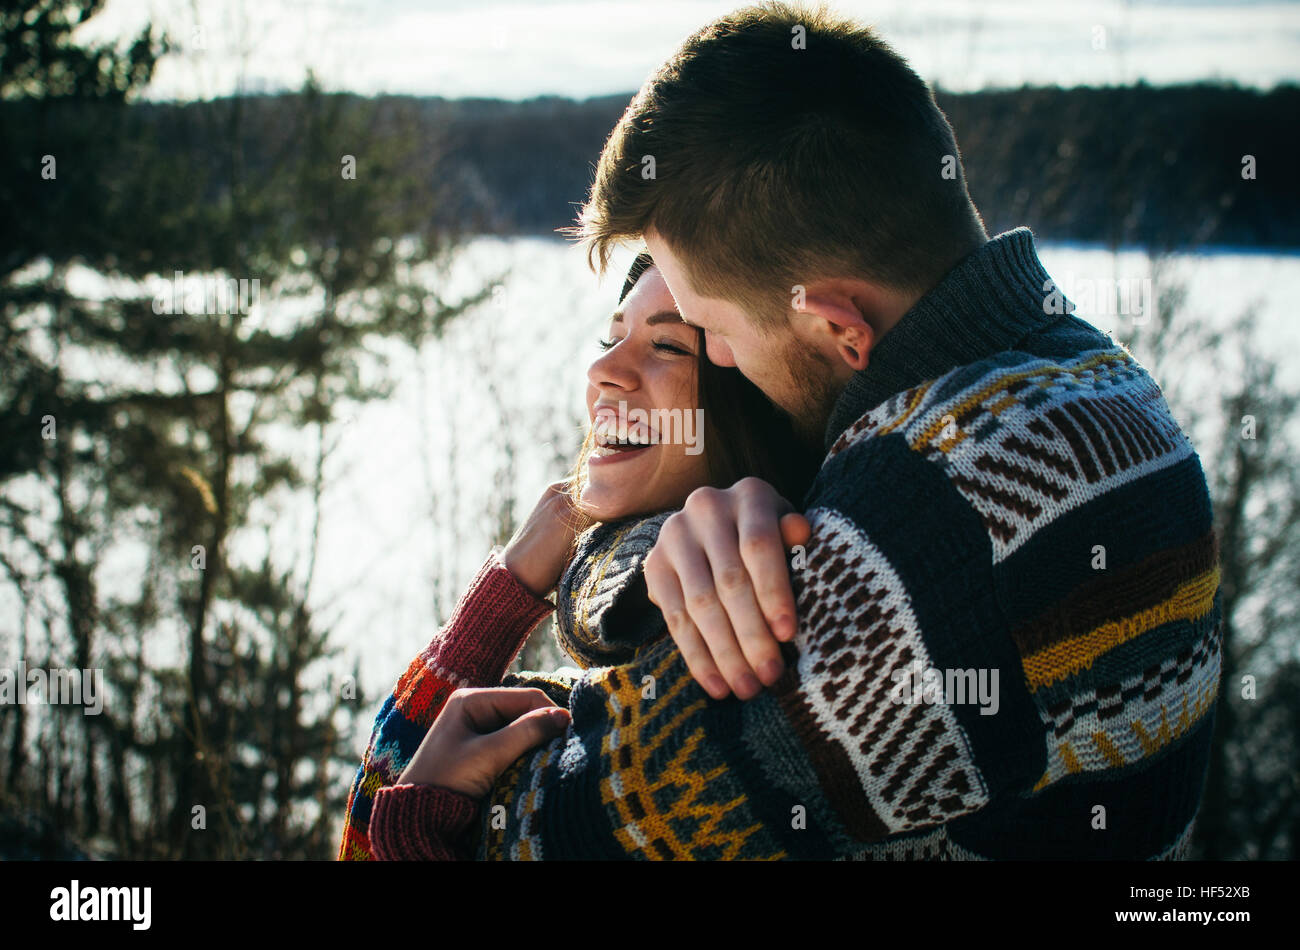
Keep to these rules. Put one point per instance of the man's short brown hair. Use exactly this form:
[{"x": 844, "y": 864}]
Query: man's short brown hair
[{"x": 780, "y": 145}]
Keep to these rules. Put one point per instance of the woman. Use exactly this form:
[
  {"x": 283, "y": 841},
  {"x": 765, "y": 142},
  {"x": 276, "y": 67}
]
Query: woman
[{"x": 642, "y": 456}]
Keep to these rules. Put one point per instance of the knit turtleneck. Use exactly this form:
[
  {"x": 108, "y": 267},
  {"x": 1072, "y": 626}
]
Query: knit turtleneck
[
  {"x": 988, "y": 301},
  {"x": 603, "y": 614}
]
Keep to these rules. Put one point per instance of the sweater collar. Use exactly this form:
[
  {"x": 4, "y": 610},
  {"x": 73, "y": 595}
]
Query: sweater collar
[
  {"x": 603, "y": 614},
  {"x": 988, "y": 301}
]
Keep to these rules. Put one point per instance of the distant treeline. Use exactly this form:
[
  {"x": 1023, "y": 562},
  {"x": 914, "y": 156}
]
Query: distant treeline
[
  {"x": 1148, "y": 165},
  {"x": 1154, "y": 166}
]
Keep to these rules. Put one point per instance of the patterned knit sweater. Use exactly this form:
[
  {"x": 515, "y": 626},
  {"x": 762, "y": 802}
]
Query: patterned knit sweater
[
  {"x": 604, "y": 616},
  {"x": 1006, "y": 503}
]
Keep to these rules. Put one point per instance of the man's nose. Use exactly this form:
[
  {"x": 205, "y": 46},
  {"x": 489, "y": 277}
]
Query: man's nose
[{"x": 719, "y": 353}]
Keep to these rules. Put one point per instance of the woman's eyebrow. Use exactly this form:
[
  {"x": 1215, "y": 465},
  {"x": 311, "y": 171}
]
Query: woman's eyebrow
[{"x": 663, "y": 316}]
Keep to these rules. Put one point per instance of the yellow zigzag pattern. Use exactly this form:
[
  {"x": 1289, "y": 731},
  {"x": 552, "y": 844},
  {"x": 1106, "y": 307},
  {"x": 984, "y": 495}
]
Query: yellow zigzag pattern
[
  {"x": 1190, "y": 600},
  {"x": 637, "y": 835}
]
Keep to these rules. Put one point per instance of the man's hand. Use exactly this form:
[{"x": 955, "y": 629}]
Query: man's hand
[
  {"x": 719, "y": 574},
  {"x": 479, "y": 733}
]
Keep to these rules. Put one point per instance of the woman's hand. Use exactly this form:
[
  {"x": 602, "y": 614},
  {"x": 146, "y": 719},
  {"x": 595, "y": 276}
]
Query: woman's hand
[
  {"x": 537, "y": 553},
  {"x": 479, "y": 734}
]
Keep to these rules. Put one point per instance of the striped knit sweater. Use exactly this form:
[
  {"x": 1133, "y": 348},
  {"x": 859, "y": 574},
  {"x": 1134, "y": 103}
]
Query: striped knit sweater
[{"x": 1005, "y": 495}]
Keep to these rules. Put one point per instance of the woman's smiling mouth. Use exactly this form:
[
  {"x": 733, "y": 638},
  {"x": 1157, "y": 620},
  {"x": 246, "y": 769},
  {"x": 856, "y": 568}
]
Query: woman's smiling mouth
[
  {"x": 612, "y": 453},
  {"x": 610, "y": 444},
  {"x": 617, "y": 437}
]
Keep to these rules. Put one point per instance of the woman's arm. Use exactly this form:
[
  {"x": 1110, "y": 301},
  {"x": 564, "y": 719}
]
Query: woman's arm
[
  {"x": 474, "y": 648},
  {"x": 420, "y": 822},
  {"x": 412, "y": 822},
  {"x": 479, "y": 733}
]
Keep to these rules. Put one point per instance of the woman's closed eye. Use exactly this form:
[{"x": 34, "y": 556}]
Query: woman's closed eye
[{"x": 661, "y": 345}]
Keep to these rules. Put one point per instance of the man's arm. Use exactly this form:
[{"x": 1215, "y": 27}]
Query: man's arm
[{"x": 826, "y": 760}]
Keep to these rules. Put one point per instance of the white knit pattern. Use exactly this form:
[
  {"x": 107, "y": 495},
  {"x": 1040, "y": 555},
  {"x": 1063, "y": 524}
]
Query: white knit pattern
[{"x": 914, "y": 761}]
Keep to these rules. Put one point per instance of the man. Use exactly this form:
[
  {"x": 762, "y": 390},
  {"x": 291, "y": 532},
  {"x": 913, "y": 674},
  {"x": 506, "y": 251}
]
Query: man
[{"x": 1002, "y": 638}]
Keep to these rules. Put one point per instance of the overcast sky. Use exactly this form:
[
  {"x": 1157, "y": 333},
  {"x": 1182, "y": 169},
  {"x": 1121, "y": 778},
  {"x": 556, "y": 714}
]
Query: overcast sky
[{"x": 527, "y": 48}]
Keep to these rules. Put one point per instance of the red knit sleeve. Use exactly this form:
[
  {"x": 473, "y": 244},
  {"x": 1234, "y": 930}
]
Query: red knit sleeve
[
  {"x": 420, "y": 823},
  {"x": 485, "y": 631},
  {"x": 473, "y": 649}
]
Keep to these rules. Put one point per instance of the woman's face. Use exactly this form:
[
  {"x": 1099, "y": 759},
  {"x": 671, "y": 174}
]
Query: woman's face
[{"x": 642, "y": 404}]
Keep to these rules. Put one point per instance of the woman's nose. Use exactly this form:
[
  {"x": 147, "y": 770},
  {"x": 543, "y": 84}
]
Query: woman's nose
[{"x": 613, "y": 368}]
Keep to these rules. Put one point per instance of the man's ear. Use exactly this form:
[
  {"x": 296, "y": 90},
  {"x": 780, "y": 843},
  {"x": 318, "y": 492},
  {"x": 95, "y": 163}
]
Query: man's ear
[{"x": 843, "y": 324}]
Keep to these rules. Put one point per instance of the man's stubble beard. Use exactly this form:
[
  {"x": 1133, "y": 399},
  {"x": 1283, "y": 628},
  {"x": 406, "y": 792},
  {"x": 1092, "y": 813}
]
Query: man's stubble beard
[{"x": 815, "y": 392}]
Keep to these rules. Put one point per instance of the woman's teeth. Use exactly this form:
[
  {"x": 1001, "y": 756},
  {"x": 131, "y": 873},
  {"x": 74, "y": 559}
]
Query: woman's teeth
[
  {"x": 608, "y": 443},
  {"x": 613, "y": 448},
  {"x": 607, "y": 436}
]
